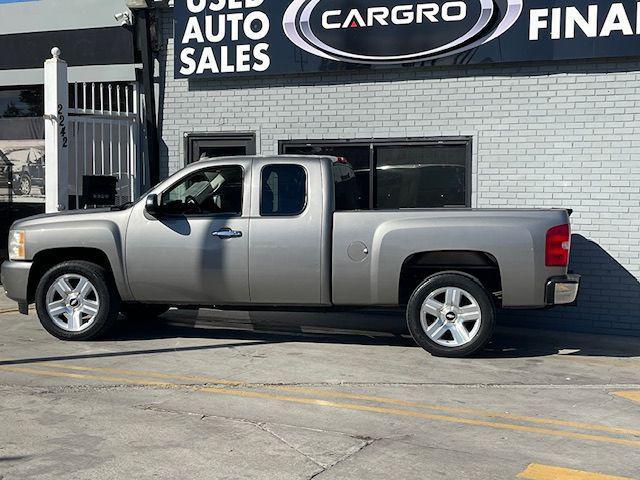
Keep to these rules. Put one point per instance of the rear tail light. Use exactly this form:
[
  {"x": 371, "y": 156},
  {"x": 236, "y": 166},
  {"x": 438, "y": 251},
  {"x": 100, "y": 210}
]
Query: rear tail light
[{"x": 558, "y": 246}]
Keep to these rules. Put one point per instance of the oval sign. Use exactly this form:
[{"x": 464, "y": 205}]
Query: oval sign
[{"x": 370, "y": 31}]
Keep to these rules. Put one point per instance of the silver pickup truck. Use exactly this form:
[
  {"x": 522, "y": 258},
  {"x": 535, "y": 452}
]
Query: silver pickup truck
[{"x": 282, "y": 233}]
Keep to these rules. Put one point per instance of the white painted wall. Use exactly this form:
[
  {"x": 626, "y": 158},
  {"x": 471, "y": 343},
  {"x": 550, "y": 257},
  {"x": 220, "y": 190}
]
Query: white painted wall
[{"x": 52, "y": 15}]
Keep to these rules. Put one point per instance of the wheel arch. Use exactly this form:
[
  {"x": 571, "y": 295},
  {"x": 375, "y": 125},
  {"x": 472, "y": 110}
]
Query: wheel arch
[
  {"x": 46, "y": 259},
  {"x": 476, "y": 265}
]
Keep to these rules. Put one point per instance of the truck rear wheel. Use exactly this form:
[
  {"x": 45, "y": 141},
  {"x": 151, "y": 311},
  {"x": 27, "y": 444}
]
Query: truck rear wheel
[
  {"x": 76, "y": 300},
  {"x": 450, "y": 315}
]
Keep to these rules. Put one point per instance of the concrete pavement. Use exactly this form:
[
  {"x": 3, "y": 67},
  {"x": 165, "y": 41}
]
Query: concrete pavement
[{"x": 236, "y": 395}]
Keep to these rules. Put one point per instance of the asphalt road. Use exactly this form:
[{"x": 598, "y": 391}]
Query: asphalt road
[{"x": 291, "y": 396}]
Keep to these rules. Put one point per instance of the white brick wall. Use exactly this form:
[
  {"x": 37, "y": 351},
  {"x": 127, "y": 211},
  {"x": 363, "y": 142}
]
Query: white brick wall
[{"x": 543, "y": 136}]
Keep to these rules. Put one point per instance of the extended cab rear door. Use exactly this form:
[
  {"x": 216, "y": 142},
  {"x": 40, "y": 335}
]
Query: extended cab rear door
[{"x": 289, "y": 248}]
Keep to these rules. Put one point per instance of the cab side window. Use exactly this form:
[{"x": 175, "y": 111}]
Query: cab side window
[
  {"x": 210, "y": 191},
  {"x": 284, "y": 190}
]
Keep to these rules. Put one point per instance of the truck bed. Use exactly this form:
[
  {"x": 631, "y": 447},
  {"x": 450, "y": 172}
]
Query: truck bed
[{"x": 515, "y": 238}]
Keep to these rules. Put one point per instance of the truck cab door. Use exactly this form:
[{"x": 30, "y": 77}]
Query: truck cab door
[
  {"x": 288, "y": 260},
  {"x": 195, "y": 250}
]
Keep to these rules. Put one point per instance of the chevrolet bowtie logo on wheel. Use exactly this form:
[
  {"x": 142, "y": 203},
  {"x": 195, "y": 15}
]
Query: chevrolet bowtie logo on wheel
[{"x": 388, "y": 32}]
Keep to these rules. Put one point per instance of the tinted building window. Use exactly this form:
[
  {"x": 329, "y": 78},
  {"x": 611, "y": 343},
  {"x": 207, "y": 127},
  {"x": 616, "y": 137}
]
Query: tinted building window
[
  {"x": 284, "y": 190},
  {"x": 430, "y": 173},
  {"x": 347, "y": 190},
  {"x": 423, "y": 176},
  {"x": 201, "y": 146},
  {"x": 22, "y": 102},
  {"x": 357, "y": 156},
  {"x": 21, "y": 111}
]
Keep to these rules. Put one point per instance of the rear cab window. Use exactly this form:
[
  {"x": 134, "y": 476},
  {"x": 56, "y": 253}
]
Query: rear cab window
[{"x": 283, "y": 190}]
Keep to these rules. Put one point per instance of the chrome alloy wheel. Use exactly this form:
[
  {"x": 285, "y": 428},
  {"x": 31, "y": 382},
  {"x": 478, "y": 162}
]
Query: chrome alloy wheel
[
  {"x": 450, "y": 316},
  {"x": 72, "y": 302}
]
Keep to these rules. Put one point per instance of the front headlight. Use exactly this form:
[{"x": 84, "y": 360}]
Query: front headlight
[{"x": 17, "y": 248}]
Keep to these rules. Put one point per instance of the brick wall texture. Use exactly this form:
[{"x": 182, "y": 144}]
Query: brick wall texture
[{"x": 555, "y": 135}]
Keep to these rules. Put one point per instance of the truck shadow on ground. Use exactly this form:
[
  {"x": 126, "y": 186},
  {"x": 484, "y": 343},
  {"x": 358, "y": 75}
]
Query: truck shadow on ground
[
  {"x": 362, "y": 328},
  {"x": 129, "y": 353},
  {"x": 507, "y": 343}
]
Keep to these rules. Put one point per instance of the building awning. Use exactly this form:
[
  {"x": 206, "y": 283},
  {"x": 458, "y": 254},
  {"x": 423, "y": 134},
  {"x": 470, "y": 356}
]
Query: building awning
[
  {"x": 93, "y": 54},
  {"x": 89, "y": 73}
]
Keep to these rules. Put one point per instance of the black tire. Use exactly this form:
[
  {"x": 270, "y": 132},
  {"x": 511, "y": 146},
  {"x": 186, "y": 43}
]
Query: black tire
[
  {"x": 109, "y": 300},
  {"x": 142, "y": 311},
  {"x": 24, "y": 184},
  {"x": 17, "y": 185},
  {"x": 470, "y": 285}
]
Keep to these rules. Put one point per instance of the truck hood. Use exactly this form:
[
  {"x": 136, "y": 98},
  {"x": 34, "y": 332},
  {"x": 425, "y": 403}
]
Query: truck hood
[{"x": 72, "y": 215}]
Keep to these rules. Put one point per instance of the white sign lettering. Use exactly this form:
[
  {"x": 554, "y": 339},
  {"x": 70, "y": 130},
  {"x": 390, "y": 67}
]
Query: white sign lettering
[
  {"x": 223, "y": 21},
  {"x": 568, "y": 22}
]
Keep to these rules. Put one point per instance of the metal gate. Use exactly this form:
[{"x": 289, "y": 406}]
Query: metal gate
[{"x": 104, "y": 130}]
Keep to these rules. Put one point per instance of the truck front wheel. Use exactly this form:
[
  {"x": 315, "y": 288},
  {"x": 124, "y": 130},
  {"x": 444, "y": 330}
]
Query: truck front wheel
[
  {"x": 450, "y": 315},
  {"x": 76, "y": 300}
]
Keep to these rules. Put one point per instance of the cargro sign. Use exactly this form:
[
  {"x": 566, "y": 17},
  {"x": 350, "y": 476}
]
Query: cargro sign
[{"x": 258, "y": 37}]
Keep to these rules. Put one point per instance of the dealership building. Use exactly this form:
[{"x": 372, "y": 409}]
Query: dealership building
[
  {"x": 435, "y": 103},
  {"x": 522, "y": 106}
]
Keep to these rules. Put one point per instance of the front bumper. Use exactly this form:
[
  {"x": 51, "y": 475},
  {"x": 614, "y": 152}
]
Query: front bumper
[
  {"x": 15, "y": 280},
  {"x": 562, "y": 290}
]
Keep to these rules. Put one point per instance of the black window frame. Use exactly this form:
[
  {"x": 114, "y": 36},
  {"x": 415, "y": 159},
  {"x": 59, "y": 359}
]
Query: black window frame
[
  {"x": 306, "y": 190},
  {"x": 372, "y": 143},
  {"x": 208, "y": 214},
  {"x": 240, "y": 139}
]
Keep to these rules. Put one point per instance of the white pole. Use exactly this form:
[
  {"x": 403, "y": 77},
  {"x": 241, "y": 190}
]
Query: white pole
[{"x": 56, "y": 133}]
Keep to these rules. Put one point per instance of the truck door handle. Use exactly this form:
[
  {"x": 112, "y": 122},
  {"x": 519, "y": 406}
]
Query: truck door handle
[{"x": 227, "y": 233}]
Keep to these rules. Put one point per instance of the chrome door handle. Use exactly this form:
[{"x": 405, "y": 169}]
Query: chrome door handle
[{"x": 227, "y": 233}]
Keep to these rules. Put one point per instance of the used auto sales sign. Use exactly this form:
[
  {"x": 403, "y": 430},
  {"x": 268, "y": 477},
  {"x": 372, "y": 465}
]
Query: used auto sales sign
[{"x": 258, "y": 37}]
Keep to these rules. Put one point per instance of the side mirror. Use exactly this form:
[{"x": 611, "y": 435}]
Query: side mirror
[{"x": 151, "y": 205}]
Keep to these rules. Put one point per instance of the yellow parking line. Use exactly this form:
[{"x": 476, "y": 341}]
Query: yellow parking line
[
  {"x": 537, "y": 471},
  {"x": 82, "y": 376},
  {"x": 427, "y": 416},
  {"x": 143, "y": 373},
  {"x": 13, "y": 310},
  {"x": 471, "y": 411},
  {"x": 342, "y": 406},
  {"x": 371, "y": 398},
  {"x": 629, "y": 394}
]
